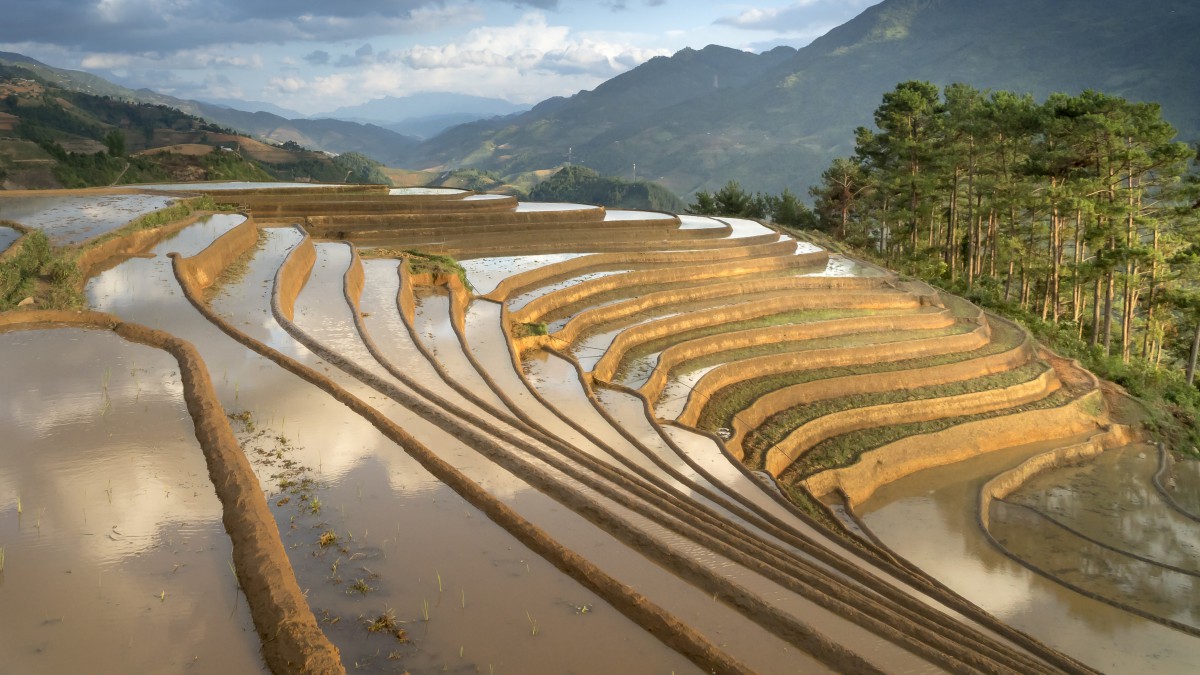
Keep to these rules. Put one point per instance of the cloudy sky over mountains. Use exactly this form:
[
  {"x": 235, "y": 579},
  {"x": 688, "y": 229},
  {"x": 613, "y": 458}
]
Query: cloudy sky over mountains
[{"x": 316, "y": 55}]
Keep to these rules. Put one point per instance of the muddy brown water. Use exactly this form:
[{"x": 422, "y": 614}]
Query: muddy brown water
[
  {"x": 1102, "y": 526},
  {"x": 494, "y": 601},
  {"x": 116, "y": 560},
  {"x": 1185, "y": 489},
  {"x": 930, "y": 519},
  {"x": 71, "y": 219}
]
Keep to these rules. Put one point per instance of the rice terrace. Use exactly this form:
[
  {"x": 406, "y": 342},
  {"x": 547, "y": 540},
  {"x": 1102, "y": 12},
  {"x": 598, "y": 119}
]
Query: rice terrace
[{"x": 328, "y": 428}]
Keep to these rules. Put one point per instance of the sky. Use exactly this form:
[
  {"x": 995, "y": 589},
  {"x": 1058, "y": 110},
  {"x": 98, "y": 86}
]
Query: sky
[{"x": 314, "y": 56}]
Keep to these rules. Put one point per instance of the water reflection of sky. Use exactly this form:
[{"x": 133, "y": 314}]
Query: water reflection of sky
[
  {"x": 485, "y": 273},
  {"x": 7, "y": 237},
  {"x": 120, "y": 539},
  {"x": 68, "y": 219},
  {"x": 929, "y": 518},
  {"x": 425, "y": 191}
]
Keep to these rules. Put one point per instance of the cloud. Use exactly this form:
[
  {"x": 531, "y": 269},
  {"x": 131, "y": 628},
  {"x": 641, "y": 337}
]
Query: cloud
[
  {"x": 164, "y": 26},
  {"x": 319, "y": 57},
  {"x": 799, "y": 22},
  {"x": 528, "y": 61}
]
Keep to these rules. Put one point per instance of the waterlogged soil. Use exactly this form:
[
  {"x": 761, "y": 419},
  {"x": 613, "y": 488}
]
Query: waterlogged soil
[
  {"x": 115, "y": 558},
  {"x": 425, "y": 191},
  {"x": 72, "y": 219},
  {"x": 930, "y": 519}
]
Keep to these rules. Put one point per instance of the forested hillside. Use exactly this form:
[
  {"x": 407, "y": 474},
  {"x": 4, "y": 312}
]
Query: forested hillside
[
  {"x": 1077, "y": 214},
  {"x": 52, "y": 137},
  {"x": 698, "y": 119}
]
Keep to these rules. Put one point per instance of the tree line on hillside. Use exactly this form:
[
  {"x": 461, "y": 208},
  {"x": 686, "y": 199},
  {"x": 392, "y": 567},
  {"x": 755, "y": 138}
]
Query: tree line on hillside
[
  {"x": 731, "y": 200},
  {"x": 575, "y": 183},
  {"x": 1078, "y": 214}
]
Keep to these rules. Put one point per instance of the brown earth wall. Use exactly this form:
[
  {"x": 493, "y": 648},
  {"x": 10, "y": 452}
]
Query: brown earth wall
[
  {"x": 482, "y": 221},
  {"x": 206, "y": 266},
  {"x": 293, "y": 275},
  {"x": 925, "y": 451},
  {"x": 93, "y": 258},
  {"x": 732, "y": 373},
  {"x": 784, "y": 453},
  {"x": 711, "y": 263},
  {"x": 278, "y": 191},
  {"x": 675, "y": 355},
  {"x": 628, "y": 339},
  {"x": 292, "y": 642},
  {"x": 591, "y": 318},
  {"x": 871, "y": 383},
  {"x": 579, "y": 293}
]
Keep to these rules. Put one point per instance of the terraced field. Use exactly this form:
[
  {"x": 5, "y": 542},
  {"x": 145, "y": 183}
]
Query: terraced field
[{"x": 601, "y": 441}]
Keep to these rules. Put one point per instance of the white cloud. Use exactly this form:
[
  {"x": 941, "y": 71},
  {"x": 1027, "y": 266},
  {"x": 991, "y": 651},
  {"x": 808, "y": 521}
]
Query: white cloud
[{"x": 525, "y": 62}]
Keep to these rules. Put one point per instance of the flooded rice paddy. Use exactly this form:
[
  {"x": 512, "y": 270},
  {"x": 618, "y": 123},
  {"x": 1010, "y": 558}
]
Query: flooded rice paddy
[
  {"x": 451, "y": 502},
  {"x": 74, "y": 219}
]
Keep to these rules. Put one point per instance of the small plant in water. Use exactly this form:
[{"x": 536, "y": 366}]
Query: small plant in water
[
  {"x": 533, "y": 624},
  {"x": 315, "y": 506},
  {"x": 1, "y": 560},
  {"x": 425, "y": 610},
  {"x": 328, "y": 538},
  {"x": 360, "y": 586},
  {"x": 387, "y": 623}
]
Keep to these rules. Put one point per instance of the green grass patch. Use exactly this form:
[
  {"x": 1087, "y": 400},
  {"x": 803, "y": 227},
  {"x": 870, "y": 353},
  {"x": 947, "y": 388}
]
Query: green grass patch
[
  {"x": 420, "y": 262},
  {"x": 846, "y": 449},
  {"x": 777, "y": 427},
  {"x": 520, "y": 330},
  {"x": 729, "y": 401},
  {"x": 852, "y": 340},
  {"x": 630, "y": 292},
  {"x": 782, "y": 319}
]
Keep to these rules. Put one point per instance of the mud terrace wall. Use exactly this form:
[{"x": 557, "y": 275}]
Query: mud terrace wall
[
  {"x": 755, "y": 309},
  {"x": 728, "y": 374},
  {"x": 852, "y": 385},
  {"x": 909, "y": 455},
  {"x": 807, "y": 435},
  {"x": 1010, "y": 481},
  {"x": 292, "y": 642},
  {"x": 593, "y": 318},
  {"x": 206, "y": 266},
  {"x": 716, "y": 259}
]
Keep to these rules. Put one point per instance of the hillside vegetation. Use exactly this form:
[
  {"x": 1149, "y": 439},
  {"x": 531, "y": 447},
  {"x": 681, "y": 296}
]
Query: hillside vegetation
[
  {"x": 581, "y": 185},
  {"x": 53, "y": 137},
  {"x": 1077, "y": 215},
  {"x": 700, "y": 118}
]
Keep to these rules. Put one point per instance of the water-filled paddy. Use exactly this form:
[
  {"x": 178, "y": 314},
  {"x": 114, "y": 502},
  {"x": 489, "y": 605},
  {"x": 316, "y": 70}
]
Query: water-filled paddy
[
  {"x": 929, "y": 518},
  {"x": 115, "y": 556},
  {"x": 72, "y": 219},
  {"x": 7, "y": 237}
]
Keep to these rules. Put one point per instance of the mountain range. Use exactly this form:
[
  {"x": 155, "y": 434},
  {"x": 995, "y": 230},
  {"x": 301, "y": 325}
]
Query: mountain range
[{"x": 700, "y": 118}]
